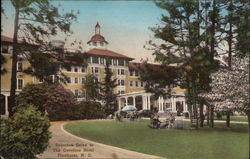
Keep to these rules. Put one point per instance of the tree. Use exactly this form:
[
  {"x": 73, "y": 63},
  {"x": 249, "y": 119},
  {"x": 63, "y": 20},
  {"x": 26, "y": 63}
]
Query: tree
[
  {"x": 230, "y": 88},
  {"x": 91, "y": 85},
  {"x": 88, "y": 110},
  {"x": 189, "y": 41},
  {"x": 107, "y": 90},
  {"x": 60, "y": 103},
  {"x": 25, "y": 135},
  {"x": 33, "y": 94},
  {"x": 35, "y": 20}
]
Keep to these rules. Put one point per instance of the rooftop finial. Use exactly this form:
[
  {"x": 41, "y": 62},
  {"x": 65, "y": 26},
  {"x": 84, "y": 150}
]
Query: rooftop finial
[{"x": 97, "y": 28}]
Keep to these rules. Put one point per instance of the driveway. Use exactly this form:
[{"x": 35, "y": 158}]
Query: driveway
[{"x": 68, "y": 146}]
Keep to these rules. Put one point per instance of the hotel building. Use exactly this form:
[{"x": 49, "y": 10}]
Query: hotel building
[{"x": 130, "y": 89}]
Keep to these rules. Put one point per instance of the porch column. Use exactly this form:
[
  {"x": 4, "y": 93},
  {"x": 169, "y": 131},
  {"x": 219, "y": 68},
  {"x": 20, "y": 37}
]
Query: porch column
[
  {"x": 6, "y": 106},
  {"x": 184, "y": 106},
  {"x": 119, "y": 103},
  {"x": 173, "y": 104},
  {"x": 126, "y": 99},
  {"x": 149, "y": 104},
  {"x": 162, "y": 103},
  {"x": 134, "y": 100}
]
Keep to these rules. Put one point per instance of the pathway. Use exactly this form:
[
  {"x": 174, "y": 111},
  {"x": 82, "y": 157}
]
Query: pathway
[{"x": 68, "y": 146}]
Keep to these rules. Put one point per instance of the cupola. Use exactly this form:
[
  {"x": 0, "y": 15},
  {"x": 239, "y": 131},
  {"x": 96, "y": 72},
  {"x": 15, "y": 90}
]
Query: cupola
[{"x": 97, "y": 40}]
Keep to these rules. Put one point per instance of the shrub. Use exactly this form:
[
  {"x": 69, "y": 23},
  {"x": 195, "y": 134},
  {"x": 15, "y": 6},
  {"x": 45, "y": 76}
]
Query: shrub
[
  {"x": 25, "y": 135},
  {"x": 60, "y": 103},
  {"x": 32, "y": 94},
  {"x": 88, "y": 110}
]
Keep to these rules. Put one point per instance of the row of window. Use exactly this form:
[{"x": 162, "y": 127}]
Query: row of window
[
  {"x": 136, "y": 84},
  {"x": 76, "y": 80},
  {"x": 133, "y": 73},
  {"x": 76, "y": 69},
  {"x": 114, "y": 62}
]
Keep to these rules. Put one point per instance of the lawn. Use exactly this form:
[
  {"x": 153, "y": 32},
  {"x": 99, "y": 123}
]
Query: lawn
[
  {"x": 205, "y": 143},
  {"x": 234, "y": 118}
]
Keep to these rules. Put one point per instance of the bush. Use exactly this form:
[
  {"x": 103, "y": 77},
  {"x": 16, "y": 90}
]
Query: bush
[
  {"x": 88, "y": 110},
  {"x": 60, "y": 103},
  {"x": 25, "y": 135},
  {"x": 32, "y": 94}
]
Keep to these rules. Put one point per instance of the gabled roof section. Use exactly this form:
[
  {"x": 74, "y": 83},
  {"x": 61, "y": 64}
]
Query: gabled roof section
[
  {"x": 107, "y": 53},
  {"x": 7, "y": 39},
  {"x": 148, "y": 66}
]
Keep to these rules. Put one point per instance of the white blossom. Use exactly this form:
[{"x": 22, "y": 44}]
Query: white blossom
[{"x": 230, "y": 87}]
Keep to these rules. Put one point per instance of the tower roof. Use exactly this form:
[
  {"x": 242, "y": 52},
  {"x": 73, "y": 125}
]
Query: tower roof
[{"x": 97, "y": 38}]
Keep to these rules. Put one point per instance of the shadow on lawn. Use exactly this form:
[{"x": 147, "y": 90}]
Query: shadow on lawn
[{"x": 221, "y": 127}]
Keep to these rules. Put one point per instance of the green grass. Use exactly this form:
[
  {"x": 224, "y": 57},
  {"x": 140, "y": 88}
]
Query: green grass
[
  {"x": 205, "y": 143},
  {"x": 234, "y": 118}
]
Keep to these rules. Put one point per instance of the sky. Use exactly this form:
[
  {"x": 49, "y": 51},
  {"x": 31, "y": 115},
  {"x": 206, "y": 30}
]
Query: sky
[{"x": 124, "y": 24}]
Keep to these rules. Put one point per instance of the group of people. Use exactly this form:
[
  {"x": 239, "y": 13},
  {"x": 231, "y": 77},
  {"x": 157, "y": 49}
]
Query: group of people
[{"x": 167, "y": 123}]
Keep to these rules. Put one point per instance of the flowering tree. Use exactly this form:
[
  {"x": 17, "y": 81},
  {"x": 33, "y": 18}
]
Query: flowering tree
[{"x": 230, "y": 88}]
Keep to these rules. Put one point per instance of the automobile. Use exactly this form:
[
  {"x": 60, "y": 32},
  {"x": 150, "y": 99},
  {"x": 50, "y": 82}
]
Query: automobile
[{"x": 168, "y": 110}]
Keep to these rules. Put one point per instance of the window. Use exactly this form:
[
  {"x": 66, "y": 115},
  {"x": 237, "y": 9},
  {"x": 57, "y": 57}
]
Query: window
[
  {"x": 136, "y": 73},
  {"x": 120, "y": 62},
  {"x": 115, "y": 62},
  {"x": 68, "y": 80},
  {"x": 122, "y": 82},
  {"x": 19, "y": 66},
  {"x": 83, "y": 69},
  {"x": 102, "y": 60},
  {"x": 126, "y": 63},
  {"x": 142, "y": 84},
  {"x": 131, "y": 72},
  {"x": 122, "y": 72},
  {"x": 101, "y": 43},
  {"x": 95, "y": 59},
  {"x": 76, "y": 80},
  {"x": 95, "y": 70},
  {"x": 95, "y": 43},
  {"x": 131, "y": 83},
  {"x": 136, "y": 83},
  {"x": 19, "y": 83},
  {"x": 122, "y": 92},
  {"x": 83, "y": 80},
  {"x": 75, "y": 69},
  {"x": 109, "y": 61}
]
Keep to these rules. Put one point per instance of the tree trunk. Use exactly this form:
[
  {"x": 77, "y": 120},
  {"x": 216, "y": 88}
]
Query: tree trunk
[
  {"x": 207, "y": 112},
  {"x": 14, "y": 65},
  {"x": 248, "y": 116},
  {"x": 228, "y": 119},
  {"x": 201, "y": 115},
  {"x": 212, "y": 117},
  {"x": 213, "y": 32}
]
